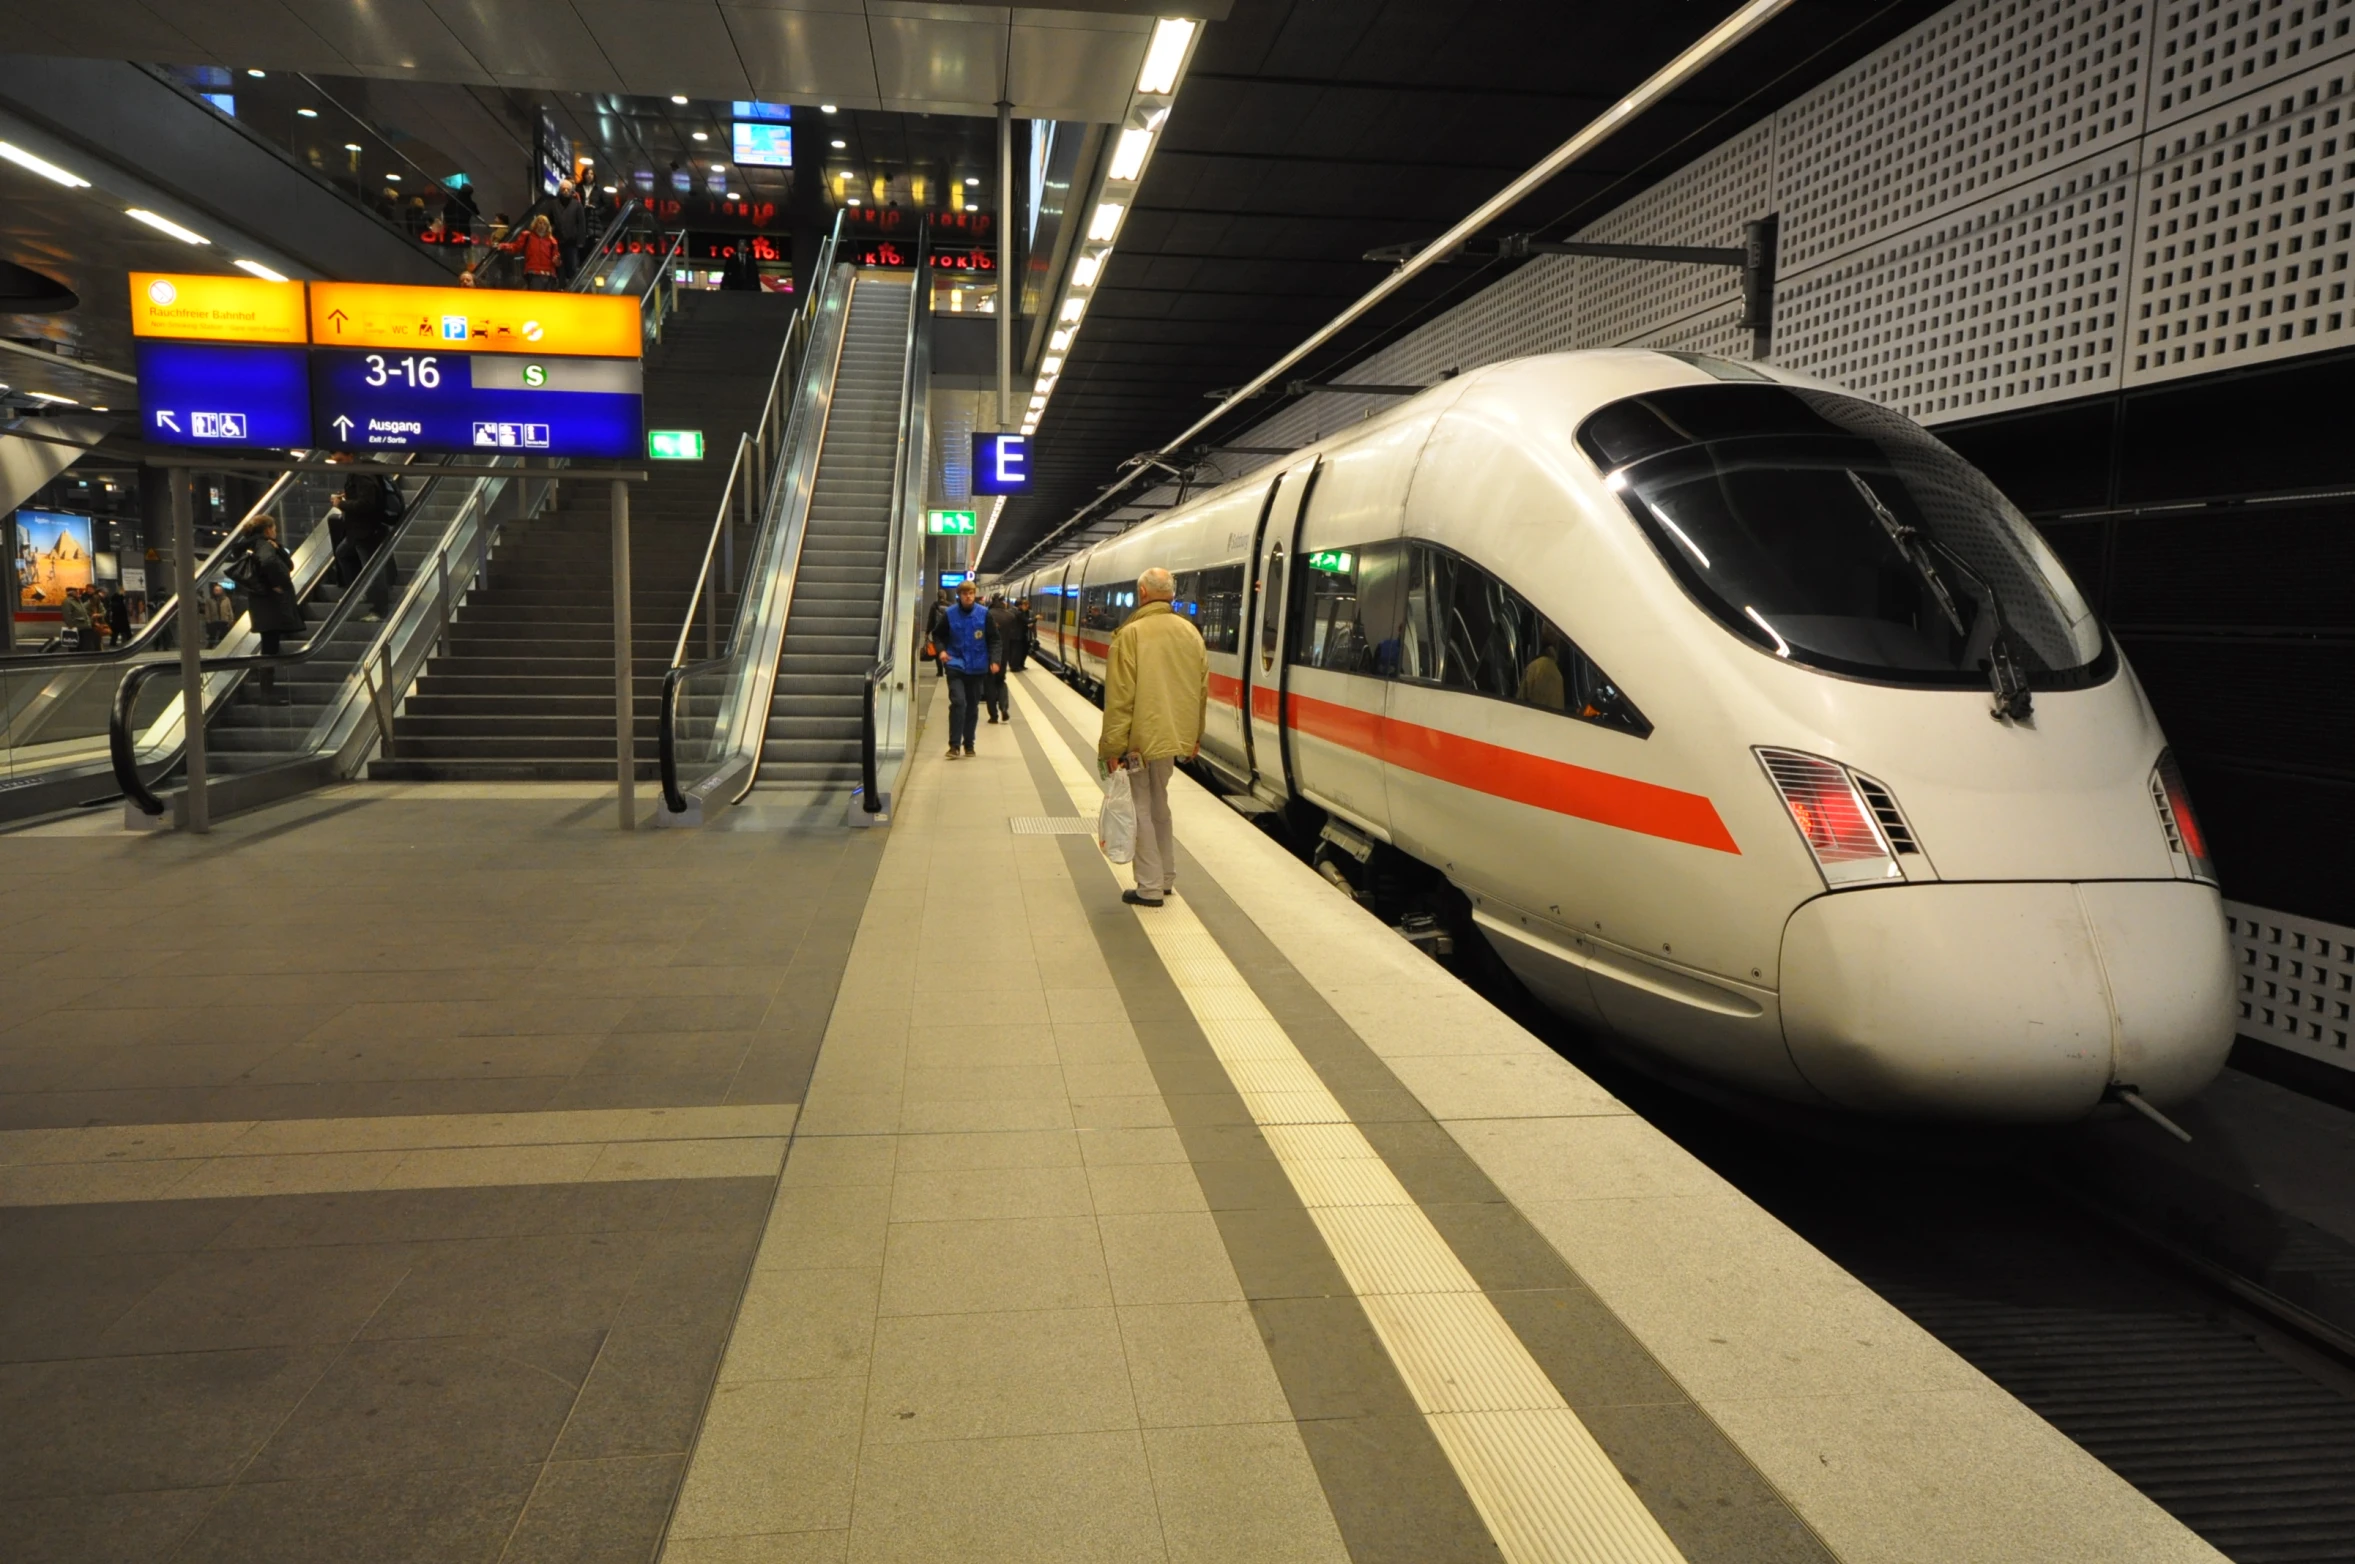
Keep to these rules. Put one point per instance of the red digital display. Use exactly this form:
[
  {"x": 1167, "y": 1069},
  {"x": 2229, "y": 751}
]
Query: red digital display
[{"x": 894, "y": 252}]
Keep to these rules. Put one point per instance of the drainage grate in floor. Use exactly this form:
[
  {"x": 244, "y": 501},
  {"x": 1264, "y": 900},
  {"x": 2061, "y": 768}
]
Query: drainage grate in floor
[{"x": 1052, "y": 825}]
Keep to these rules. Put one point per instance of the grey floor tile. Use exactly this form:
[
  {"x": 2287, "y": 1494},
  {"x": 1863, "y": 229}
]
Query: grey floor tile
[
  {"x": 540, "y": 1282},
  {"x": 774, "y": 1456},
  {"x": 113, "y": 1528},
  {"x": 645, "y": 1393},
  {"x": 969, "y": 1376},
  {"x": 979, "y": 1267},
  {"x": 1498, "y": 1246},
  {"x": 1714, "y": 1505},
  {"x": 596, "y": 1512},
  {"x": 1393, "y": 1494},
  {"x": 279, "y": 1297},
  {"x": 1278, "y": 1253},
  {"x": 115, "y": 1425},
  {"x": 400, "y": 1216},
  {"x": 434, "y": 1405},
  {"x": 366, "y": 1517},
  {"x": 1047, "y": 1499},
  {"x": 1243, "y": 1491},
  {"x": 1593, "y": 1359},
  {"x": 1329, "y": 1360},
  {"x": 60, "y": 1307}
]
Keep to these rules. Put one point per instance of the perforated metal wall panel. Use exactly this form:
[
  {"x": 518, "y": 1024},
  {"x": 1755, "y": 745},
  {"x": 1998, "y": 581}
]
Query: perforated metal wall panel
[
  {"x": 2017, "y": 202},
  {"x": 2297, "y": 981}
]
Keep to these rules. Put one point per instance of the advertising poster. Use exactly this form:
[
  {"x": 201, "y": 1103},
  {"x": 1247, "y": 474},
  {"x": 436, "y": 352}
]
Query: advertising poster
[{"x": 52, "y": 554}]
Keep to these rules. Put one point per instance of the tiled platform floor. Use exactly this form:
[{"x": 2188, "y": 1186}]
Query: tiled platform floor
[{"x": 379, "y": 1176}]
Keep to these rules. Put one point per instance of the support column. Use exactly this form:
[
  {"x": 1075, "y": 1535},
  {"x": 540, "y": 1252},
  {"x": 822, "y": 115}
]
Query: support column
[
  {"x": 189, "y": 623},
  {"x": 1008, "y": 290},
  {"x": 625, "y": 693}
]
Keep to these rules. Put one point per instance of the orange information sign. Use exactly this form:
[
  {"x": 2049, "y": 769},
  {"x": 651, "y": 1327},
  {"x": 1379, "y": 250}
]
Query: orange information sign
[
  {"x": 474, "y": 320},
  {"x": 216, "y": 309}
]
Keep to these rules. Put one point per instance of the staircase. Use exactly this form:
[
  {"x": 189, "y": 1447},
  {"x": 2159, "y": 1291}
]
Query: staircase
[
  {"x": 523, "y": 689},
  {"x": 835, "y": 619},
  {"x": 248, "y": 735}
]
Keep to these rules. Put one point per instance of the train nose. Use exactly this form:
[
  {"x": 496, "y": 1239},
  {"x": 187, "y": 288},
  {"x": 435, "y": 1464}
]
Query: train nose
[{"x": 2021, "y": 1001}]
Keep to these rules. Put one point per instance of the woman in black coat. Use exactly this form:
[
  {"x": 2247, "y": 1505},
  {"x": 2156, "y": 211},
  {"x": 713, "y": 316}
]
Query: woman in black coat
[{"x": 266, "y": 571}]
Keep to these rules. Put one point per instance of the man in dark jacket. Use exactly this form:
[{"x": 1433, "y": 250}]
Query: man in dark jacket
[
  {"x": 118, "y": 614},
  {"x": 367, "y": 505},
  {"x": 570, "y": 219},
  {"x": 969, "y": 653},
  {"x": 1001, "y": 620},
  {"x": 1018, "y": 644},
  {"x": 265, "y": 571}
]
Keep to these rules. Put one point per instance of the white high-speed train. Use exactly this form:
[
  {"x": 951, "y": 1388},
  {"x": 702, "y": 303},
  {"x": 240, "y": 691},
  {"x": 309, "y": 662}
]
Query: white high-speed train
[{"x": 1756, "y": 727}]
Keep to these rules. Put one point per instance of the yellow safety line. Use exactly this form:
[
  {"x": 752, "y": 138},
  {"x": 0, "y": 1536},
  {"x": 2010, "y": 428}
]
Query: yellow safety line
[{"x": 1545, "y": 1489}]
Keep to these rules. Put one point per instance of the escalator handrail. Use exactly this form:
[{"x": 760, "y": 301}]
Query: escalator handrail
[
  {"x": 902, "y": 484},
  {"x": 604, "y": 244},
  {"x": 122, "y": 748}
]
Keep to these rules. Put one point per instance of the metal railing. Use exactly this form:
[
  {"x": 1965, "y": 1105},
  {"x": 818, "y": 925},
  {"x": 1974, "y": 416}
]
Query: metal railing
[
  {"x": 772, "y": 476},
  {"x": 907, "y": 492}
]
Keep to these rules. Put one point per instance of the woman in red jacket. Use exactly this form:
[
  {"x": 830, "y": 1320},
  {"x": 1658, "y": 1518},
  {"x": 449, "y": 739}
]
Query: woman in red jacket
[{"x": 541, "y": 254}]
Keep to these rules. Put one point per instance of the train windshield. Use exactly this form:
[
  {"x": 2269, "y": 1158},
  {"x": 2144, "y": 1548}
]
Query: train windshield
[{"x": 1838, "y": 534}]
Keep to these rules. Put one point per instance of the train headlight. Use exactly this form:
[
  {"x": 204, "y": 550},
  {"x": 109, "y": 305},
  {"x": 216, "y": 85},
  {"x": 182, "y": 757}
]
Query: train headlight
[
  {"x": 1854, "y": 838},
  {"x": 2172, "y": 800}
]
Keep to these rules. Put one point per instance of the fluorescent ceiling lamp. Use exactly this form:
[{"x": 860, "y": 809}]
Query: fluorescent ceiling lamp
[
  {"x": 259, "y": 270},
  {"x": 1059, "y": 341},
  {"x": 1106, "y": 222},
  {"x": 1073, "y": 309},
  {"x": 973, "y": 179},
  {"x": 250, "y": 71},
  {"x": 395, "y": 178},
  {"x": 351, "y": 146},
  {"x": 164, "y": 225},
  {"x": 1084, "y": 273},
  {"x": 827, "y": 108},
  {"x": 1052, "y": 364},
  {"x": 1037, "y": 402},
  {"x": 838, "y": 144},
  {"x": 51, "y": 396},
  {"x": 1128, "y": 158},
  {"x": 42, "y": 166},
  {"x": 700, "y": 136},
  {"x": 734, "y": 196},
  {"x": 308, "y": 113},
  {"x": 1165, "y": 54},
  {"x": 678, "y": 97},
  {"x": 853, "y": 201}
]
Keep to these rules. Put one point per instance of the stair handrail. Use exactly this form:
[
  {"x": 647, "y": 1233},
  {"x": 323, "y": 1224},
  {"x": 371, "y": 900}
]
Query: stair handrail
[
  {"x": 906, "y": 485},
  {"x": 782, "y": 491},
  {"x": 122, "y": 748}
]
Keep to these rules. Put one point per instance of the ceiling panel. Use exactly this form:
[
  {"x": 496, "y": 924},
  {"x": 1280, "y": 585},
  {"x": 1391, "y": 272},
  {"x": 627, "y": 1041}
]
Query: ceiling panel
[
  {"x": 796, "y": 55},
  {"x": 667, "y": 46},
  {"x": 530, "y": 41},
  {"x": 130, "y": 29},
  {"x": 388, "y": 36},
  {"x": 1074, "y": 73},
  {"x": 930, "y": 61},
  {"x": 1309, "y": 131},
  {"x": 263, "y": 33}
]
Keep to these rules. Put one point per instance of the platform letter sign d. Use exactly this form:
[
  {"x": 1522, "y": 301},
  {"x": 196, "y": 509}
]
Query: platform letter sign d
[{"x": 1001, "y": 464}]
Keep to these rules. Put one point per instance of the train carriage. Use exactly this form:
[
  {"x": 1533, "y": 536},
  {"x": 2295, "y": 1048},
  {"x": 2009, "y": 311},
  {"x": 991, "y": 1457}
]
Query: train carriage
[{"x": 1755, "y": 727}]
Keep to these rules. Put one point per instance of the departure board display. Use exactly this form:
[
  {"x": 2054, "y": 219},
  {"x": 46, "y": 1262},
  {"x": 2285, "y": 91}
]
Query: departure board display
[{"x": 444, "y": 370}]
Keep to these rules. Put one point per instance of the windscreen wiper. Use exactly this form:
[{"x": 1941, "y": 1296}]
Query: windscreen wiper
[{"x": 1993, "y": 645}]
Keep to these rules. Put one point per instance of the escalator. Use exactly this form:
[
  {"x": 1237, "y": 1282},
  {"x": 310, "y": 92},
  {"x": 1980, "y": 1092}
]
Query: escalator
[
  {"x": 808, "y": 700},
  {"x": 812, "y": 743}
]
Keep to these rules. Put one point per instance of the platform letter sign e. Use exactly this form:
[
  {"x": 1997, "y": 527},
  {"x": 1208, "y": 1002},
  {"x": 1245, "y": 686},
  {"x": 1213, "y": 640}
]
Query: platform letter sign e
[{"x": 1001, "y": 464}]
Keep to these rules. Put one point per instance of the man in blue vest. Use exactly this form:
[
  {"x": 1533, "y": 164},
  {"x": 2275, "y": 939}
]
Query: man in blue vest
[{"x": 969, "y": 653}]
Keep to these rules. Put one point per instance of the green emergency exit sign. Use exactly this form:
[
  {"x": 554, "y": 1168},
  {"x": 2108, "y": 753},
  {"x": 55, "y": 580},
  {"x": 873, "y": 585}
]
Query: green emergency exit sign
[
  {"x": 675, "y": 445},
  {"x": 951, "y": 523}
]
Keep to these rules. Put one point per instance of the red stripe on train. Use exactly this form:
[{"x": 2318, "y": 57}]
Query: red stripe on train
[
  {"x": 1554, "y": 785},
  {"x": 1226, "y": 689}
]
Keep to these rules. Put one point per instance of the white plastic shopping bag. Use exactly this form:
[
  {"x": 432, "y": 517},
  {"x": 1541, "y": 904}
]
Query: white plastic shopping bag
[{"x": 1116, "y": 821}]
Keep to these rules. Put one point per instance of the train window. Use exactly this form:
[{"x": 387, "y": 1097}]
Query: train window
[
  {"x": 1835, "y": 533},
  {"x": 1271, "y": 606},
  {"x": 1099, "y": 608},
  {"x": 1217, "y": 594},
  {"x": 1349, "y": 610},
  {"x": 1464, "y": 629}
]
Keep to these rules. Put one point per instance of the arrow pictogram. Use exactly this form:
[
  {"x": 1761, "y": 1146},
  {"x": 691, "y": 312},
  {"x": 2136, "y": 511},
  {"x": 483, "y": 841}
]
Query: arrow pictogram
[
  {"x": 343, "y": 426},
  {"x": 338, "y": 317}
]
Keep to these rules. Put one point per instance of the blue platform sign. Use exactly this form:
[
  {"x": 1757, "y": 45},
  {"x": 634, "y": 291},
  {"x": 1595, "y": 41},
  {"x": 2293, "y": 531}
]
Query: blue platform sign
[
  {"x": 1001, "y": 464},
  {"x": 224, "y": 395},
  {"x": 397, "y": 399}
]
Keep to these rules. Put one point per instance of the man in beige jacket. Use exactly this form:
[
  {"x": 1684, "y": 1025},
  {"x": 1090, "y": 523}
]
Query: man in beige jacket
[{"x": 1156, "y": 684}]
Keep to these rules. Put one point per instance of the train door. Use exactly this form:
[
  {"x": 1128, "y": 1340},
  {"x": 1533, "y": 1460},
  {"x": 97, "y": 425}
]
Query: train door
[
  {"x": 1263, "y": 661},
  {"x": 1066, "y": 615}
]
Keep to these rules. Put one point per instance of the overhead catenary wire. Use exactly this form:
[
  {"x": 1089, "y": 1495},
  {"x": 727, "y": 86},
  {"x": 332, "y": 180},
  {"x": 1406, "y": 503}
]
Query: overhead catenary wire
[{"x": 1701, "y": 54}]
